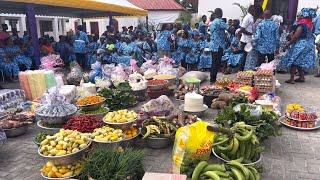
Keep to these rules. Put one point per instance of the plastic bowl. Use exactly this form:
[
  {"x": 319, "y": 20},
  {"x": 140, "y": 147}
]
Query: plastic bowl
[
  {"x": 49, "y": 131},
  {"x": 14, "y": 132},
  {"x": 249, "y": 164},
  {"x": 66, "y": 159},
  {"x": 198, "y": 114},
  {"x": 157, "y": 87}
]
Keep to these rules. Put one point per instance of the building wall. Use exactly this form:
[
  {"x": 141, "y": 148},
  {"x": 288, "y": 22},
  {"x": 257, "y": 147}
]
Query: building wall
[
  {"x": 229, "y": 11},
  {"x": 308, "y": 4}
]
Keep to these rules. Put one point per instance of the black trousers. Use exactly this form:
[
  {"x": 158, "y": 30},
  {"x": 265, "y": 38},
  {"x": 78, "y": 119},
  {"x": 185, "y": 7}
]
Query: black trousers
[
  {"x": 216, "y": 64},
  {"x": 242, "y": 62},
  {"x": 81, "y": 59},
  {"x": 262, "y": 58}
]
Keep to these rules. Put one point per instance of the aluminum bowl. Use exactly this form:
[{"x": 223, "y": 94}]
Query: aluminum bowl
[
  {"x": 131, "y": 142},
  {"x": 122, "y": 126},
  {"x": 249, "y": 164},
  {"x": 14, "y": 132},
  {"x": 171, "y": 81},
  {"x": 110, "y": 144},
  {"x": 98, "y": 116},
  {"x": 66, "y": 159},
  {"x": 91, "y": 107},
  {"x": 36, "y": 143},
  {"x": 49, "y": 131},
  {"x": 198, "y": 114},
  {"x": 70, "y": 177},
  {"x": 158, "y": 143},
  {"x": 55, "y": 120},
  {"x": 159, "y": 86}
]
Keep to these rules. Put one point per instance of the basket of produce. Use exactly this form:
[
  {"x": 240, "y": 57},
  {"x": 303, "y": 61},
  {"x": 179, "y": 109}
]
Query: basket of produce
[
  {"x": 301, "y": 113},
  {"x": 170, "y": 78},
  {"x": 15, "y": 125},
  {"x": 84, "y": 124},
  {"x": 49, "y": 129},
  {"x": 131, "y": 134},
  {"x": 238, "y": 143},
  {"x": 39, "y": 138},
  {"x": 64, "y": 171},
  {"x": 119, "y": 98},
  {"x": 107, "y": 137},
  {"x": 90, "y": 103},
  {"x": 57, "y": 112},
  {"x": 121, "y": 119},
  {"x": 210, "y": 92},
  {"x": 157, "y": 84},
  {"x": 64, "y": 147},
  {"x": 183, "y": 89},
  {"x": 230, "y": 170},
  {"x": 97, "y": 113}
]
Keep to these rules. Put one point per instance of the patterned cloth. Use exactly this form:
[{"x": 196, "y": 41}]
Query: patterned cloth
[
  {"x": 308, "y": 12},
  {"x": 177, "y": 57},
  {"x": 79, "y": 44},
  {"x": 252, "y": 58},
  {"x": 91, "y": 53},
  {"x": 218, "y": 36},
  {"x": 10, "y": 69},
  {"x": 202, "y": 27},
  {"x": 205, "y": 61},
  {"x": 302, "y": 52},
  {"x": 125, "y": 48},
  {"x": 163, "y": 40},
  {"x": 192, "y": 58},
  {"x": 232, "y": 58},
  {"x": 139, "y": 51},
  {"x": 150, "y": 48},
  {"x": 267, "y": 37},
  {"x": 65, "y": 51},
  {"x": 19, "y": 58}
]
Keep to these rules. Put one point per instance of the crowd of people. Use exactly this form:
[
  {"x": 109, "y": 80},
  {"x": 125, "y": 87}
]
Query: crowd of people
[{"x": 219, "y": 45}]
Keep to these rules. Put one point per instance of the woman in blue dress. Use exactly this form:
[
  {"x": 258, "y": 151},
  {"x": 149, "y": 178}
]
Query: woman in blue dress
[
  {"x": 65, "y": 50},
  {"x": 126, "y": 51},
  {"x": 205, "y": 60},
  {"x": 301, "y": 54},
  {"x": 91, "y": 50},
  {"x": 16, "y": 55},
  {"x": 192, "y": 57},
  {"x": 233, "y": 54},
  {"x": 139, "y": 48},
  {"x": 9, "y": 67},
  {"x": 150, "y": 48},
  {"x": 183, "y": 47}
]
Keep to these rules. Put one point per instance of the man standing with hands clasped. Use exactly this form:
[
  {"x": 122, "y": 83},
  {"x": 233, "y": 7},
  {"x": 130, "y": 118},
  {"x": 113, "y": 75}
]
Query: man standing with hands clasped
[{"x": 267, "y": 38}]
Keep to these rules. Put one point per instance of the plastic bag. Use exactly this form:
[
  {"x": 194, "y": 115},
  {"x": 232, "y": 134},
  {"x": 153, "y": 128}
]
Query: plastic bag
[
  {"x": 97, "y": 71},
  {"x": 148, "y": 65},
  {"x": 158, "y": 107},
  {"x": 75, "y": 76},
  {"x": 192, "y": 144},
  {"x": 133, "y": 68},
  {"x": 119, "y": 75},
  {"x": 255, "y": 110},
  {"x": 165, "y": 67},
  {"x": 195, "y": 74},
  {"x": 51, "y": 62}
]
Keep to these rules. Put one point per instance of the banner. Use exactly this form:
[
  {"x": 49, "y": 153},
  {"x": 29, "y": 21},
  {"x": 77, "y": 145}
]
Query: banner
[{"x": 264, "y": 4}]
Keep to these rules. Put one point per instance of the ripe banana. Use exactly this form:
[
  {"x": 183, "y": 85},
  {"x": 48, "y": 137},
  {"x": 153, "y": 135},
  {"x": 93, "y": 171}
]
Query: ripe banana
[
  {"x": 155, "y": 128},
  {"x": 147, "y": 133}
]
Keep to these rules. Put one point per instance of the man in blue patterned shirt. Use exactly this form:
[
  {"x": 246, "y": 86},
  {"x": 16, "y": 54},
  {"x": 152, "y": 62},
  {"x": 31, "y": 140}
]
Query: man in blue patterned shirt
[
  {"x": 267, "y": 38},
  {"x": 218, "y": 42}
]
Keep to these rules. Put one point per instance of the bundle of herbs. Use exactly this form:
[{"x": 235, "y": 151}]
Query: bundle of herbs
[
  {"x": 112, "y": 164},
  {"x": 119, "y": 98},
  {"x": 265, "y": 122}
]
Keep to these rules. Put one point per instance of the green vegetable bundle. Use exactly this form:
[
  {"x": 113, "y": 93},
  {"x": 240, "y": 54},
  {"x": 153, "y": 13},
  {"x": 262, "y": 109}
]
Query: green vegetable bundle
[
  {"x": 266, "y": 124},
  {"x": 107, "y": 163},
  {"x": 119, "y": 98}
]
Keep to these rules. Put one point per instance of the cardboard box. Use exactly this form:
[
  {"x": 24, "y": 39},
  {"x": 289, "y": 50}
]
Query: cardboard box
[{"x": 162, "y": 176}]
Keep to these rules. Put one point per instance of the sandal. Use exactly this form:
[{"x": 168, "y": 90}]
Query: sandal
[
  {"x": 299, "y": 80},
  {"x": 289, "y": 81}
]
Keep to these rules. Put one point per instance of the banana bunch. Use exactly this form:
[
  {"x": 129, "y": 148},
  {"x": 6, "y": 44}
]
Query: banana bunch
[
  {"x": 241, "y": 144},
  {"x": 156, "y": 127},
  {"x": 233, "y": 170}
]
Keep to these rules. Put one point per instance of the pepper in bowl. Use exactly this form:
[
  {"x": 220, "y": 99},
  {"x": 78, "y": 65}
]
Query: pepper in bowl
[{"x": 85, "y": 123}]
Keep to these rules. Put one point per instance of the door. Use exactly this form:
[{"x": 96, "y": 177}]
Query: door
[
  {"x": 115, "y": 24},
  {"x": 94, "y": 28}
]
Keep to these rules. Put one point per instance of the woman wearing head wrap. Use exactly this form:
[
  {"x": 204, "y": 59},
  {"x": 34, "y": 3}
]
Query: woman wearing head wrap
[
  {"x": 193, "y": 56},
  {"x": 139, "y": 44},
  {"x": 301, "y": 54},
  {"x": 91, "y": 50},
  {"x": 126, "y": 50},
  {"x": 183, "y": 47},
  {"x": 10, "y": 67},
  {"x": 150, "y": 48},
  {"x": 205, "y": 60},
  {"x": 233, "y": 54}
]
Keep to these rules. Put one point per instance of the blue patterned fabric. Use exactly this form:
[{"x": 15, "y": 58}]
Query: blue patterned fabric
[
  {"x": 150, "y": 48},
  {"x": 205, "y": 44},
  {"x": 202, "y": 27},
  {"x": 267, "y": 36},
  {"x": 10, "y": 69},
  {"x": 251, "y": 61},
  {"x": 65, "y": 51},
  {"x": 232, "y": 58},
  {"x": 125, "y": 48},
  {"x": 91, "y": 53},
  {"x": 29, "y": 52},
  {"x": 177, "y": 56},
  {"x": 118, "y": 44},
  {"x": 139, "y": 52},
  {"x": 163, "y": 40},
  {"x": 308, "y": 12},
  {"x": 302, "y": 52},
  {"x": 192, "y": 58},
  {"x": 183, "y": 44},
  {"x": 19, "y": 58},
  {"x": 79, "y": 44},
  {"x": 218, "y": 36},
  {"x": 205, "y": 61}
]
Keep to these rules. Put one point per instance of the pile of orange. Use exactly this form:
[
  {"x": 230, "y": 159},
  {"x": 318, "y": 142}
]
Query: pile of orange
[
  {"x": 131, "y": 132},
  {"x": 90, "y": 100}
]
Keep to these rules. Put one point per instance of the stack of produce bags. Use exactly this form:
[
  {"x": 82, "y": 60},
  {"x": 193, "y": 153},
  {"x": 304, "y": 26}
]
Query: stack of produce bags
[{"x": 10, "y": 98}]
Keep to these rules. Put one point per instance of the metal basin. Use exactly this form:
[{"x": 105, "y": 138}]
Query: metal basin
[
  {"x": 71, "y": 177},
  {"x": 122, "y": 126},
  {"x": 14, "y": 132},
  {"x": 249, "y": 164},
  {"x": 66, "y": 159},
  {"x": 158, "y": 143},
  {"x": 54, "y": 120},
  {"x": 131, "y": 142},
  {"x": 98, "y": 116},
  {"x": 91, "y": 107},
  {"x": 109, "y": 144},
  {"x": 49, "y": 131},
  {"x": 159, "y": 86}
]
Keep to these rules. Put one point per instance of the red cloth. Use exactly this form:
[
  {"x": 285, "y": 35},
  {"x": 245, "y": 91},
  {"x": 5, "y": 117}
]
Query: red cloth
[
  {"x": 306, "y": 21},
  {"x": 4, "y": 35}
]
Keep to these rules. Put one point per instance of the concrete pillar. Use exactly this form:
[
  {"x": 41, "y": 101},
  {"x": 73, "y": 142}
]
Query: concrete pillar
[
  {"x": 60, "y": 26},
  {"x": 38, "y": 27},
  {"x": 64, "y": 29},
  {"x": 22, "y": 25},
  {"x": 55, "y": 29},
  {"x": 88, "y": 27}
]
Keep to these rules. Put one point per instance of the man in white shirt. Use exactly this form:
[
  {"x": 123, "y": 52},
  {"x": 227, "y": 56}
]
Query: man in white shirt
[{"x": 246, "y": 29}]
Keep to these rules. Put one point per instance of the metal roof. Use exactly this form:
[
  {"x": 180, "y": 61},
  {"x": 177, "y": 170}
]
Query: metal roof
[{"x": 157, "y": 4}]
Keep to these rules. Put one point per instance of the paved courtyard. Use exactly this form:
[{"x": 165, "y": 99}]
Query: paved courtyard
[{"x": 294, "y": 155}]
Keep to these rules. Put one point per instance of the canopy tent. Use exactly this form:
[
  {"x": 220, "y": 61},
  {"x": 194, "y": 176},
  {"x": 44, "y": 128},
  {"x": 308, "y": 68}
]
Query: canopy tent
[{"x": 68, "y": 8}]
